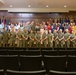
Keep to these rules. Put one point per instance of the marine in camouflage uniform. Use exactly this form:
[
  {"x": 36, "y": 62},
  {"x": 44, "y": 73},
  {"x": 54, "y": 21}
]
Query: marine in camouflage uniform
[
  {"x": 72, "y": 40},
  {"x": 25, "y": 38},
  {"x": 61, "y": 39},
  {"x": 56, "y": 42},
  {"x": 1, "y": 39},
  {"x": 5, "y": 38},
  {"x": 43, "y": 40},
  {"x": 50, "y": 39},
  {"x": 37, "y": 39},
  {"x": 67, "y": 38},
  {"x": 31, "y": 39},
  {"x": 19, "y": 38},
  {"x": 12, "y": 36}
]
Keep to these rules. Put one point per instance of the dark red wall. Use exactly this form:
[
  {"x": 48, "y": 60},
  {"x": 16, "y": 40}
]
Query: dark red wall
[{"x": 16, "y": 17}]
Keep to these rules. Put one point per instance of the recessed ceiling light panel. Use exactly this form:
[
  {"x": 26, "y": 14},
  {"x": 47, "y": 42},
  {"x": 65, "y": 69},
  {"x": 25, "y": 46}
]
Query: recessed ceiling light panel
[
  {"x": 65, "y": 6},
  {"x": 29, "y": 6},
  {"x": 11, "y": 6},
  {"x": 47, "y": 6}
]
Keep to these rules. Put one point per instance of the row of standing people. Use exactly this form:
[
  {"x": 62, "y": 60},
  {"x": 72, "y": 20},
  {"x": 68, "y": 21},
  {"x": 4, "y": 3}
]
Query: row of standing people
[{"x": 22, "y": 38}]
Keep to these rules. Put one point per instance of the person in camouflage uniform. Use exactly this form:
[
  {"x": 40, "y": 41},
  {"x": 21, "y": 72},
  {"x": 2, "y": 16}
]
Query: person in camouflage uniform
[
  {"x": 61, "y": 39},
  {"x": 50, "y": 39},
  {"x": 67, "y": 38},
  {"x": 56, "y": 42},
  {"x": 5, "y": 37},
  {"x": 72, "y": 39},
  {"x": 43, "y": 40},
  {"x": 1, "y": 39},
  {"x": 19, "y": 38},
  {"x": 31, "y": 39},
  {"x": 37, "y": 39},
  {"x": 12, "y": 36},
  {"x": 25, "y": 38}
]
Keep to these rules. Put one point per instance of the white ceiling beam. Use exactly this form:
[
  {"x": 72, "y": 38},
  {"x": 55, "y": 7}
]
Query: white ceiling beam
[{"x": 39, "y": 9}]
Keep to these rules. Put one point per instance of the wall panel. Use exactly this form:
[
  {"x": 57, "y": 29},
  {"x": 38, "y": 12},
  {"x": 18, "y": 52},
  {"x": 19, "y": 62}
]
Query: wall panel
[{"x": 16, "y": 17}]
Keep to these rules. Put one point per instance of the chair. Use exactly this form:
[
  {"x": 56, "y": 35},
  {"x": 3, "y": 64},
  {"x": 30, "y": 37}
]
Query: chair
[
  {"x": 46, "y": 48},
  {"x": 10, "y": 48},
  {"x": 75, "y": 52},
  {"x": 66, "y": 52},
  {"x": 56, "y": 49},
  {"x": 33, "y": 49},
  {"x": 62, "y": 48},
  {"x": 32, "y": 52},
  {"x": 59, "y": 49},
  {"x": 56, "y": 63},
  {"x": 61, "y": 73},
  {"x": 20, "y": 48},
  {"x": 1, "y": 72},
  {"x": 3, "y": 52},
  {"x": 11, "y": 72},
  {"x": 9, "y": 62},
  {"x": 3, "y": 48},
  {"x": 30, "y": 63},
  {"x": 49, "y": 52},
  {"x": 70, "y": 48},
  {"x": 71, "y": 66},
  {"x": 16, "y": 52}
]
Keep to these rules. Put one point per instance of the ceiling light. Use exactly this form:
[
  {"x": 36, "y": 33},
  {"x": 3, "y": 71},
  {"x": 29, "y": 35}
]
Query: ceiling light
[
  {"x": 65, "y": 6},
  {"x": 29, "y": 6},
  {"x": 47, "y": 6},
  {"x": 11, "y": 6}
]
